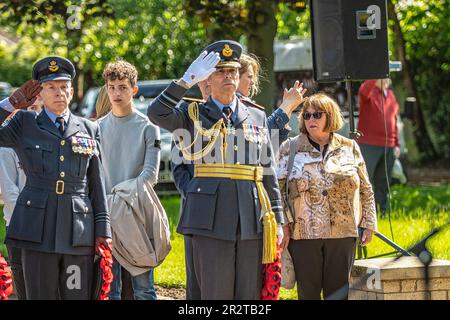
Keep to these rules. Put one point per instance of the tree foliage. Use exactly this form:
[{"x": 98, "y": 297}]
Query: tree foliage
[
  {"x": 426, "y": 30},
  {"x": 157, "y": 36},
  {"x": 162, "y": 37}
]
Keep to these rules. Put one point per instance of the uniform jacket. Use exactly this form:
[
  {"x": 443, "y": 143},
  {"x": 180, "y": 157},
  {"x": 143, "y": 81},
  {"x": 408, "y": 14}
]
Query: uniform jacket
[
  {"x": 278, "y": 120},
  {"x": 183, "y": 172},
  {"x": 330, "y": 196},
  {"x": 140, "y": 227},
  {"x": 220, "y": 207},
  {"x": 42, "y": 219}
]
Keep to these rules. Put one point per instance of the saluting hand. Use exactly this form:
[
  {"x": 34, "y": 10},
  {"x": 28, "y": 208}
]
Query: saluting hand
[
  {"x": 292, "y": 98},
  {"x": 201, "y": 68},
  {"x": 26, "y": 95}
]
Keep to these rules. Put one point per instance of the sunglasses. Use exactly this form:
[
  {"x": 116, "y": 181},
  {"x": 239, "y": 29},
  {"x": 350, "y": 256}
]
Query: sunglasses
[{"x": 315, "y": 115}]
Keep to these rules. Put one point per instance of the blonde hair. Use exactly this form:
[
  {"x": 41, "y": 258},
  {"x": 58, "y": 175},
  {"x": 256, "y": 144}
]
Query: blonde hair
[
  {"x": 250, "y": 60},
  {"x": 322, "y": 102},
  {"x": 103, "y": 105}
]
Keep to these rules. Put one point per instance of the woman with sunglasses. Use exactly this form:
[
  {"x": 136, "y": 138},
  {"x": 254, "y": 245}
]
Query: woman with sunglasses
[{"x": 329, "y": 198}]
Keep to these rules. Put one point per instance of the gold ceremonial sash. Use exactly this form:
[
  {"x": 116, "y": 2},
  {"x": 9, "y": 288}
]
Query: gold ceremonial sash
[{"x": 250, "y": 173}]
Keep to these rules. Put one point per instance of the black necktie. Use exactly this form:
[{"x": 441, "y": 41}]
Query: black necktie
[
  {"x": 228, "y": 111},
  {"x": 61, "y": 128}
]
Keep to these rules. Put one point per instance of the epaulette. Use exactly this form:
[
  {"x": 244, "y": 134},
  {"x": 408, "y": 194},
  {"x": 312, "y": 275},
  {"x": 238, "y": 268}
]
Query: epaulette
[
  {"x": 188, "y": 99},
  {"x": 251, "y": 103}
]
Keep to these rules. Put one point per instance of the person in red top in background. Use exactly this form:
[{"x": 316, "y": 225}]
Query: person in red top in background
[{"x": 377, "y": 106}]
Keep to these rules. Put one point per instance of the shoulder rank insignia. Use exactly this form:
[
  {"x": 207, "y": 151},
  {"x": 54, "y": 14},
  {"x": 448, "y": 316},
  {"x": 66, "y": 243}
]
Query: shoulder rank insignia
[
  {"x": 9, "y": 118},
  {"x": 188, "y": 99},
  {"x": 249, "y": 102}
]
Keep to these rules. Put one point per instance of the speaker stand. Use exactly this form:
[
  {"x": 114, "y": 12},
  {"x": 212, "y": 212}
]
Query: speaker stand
[{"x": 354, "y": 134}]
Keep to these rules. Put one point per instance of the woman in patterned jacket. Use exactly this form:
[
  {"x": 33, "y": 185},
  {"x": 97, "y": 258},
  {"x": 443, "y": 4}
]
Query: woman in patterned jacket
[{"x": 329, "y": 198}]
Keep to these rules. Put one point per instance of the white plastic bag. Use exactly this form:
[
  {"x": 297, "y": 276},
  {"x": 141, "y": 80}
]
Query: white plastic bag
[
  {"x": 287, "y": 270},
  {"x": 397, "y": 172}
]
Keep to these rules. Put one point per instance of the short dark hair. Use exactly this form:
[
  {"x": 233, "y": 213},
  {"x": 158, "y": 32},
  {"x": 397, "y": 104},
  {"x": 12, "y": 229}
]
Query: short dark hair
[{"x": 120, "y": 69}]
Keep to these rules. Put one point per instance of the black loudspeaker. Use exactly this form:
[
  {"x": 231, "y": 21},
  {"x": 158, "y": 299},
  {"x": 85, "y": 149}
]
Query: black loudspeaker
[{"x": 349, "y": 39}]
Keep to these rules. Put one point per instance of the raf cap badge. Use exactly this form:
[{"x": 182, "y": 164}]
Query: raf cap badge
[
  {"x": 53, "y": 66},
  {"x": 227, "y": 51}
]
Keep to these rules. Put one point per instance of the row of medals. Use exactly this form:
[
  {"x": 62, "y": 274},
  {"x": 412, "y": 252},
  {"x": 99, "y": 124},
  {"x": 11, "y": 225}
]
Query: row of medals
[
  {"x": 254, "y": 133},
  {"x": 83, "y": 145}
]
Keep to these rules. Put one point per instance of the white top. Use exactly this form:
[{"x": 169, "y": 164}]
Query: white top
[
  {"x": 12, "y": 180},
  {"x": 6, "y": 105}
]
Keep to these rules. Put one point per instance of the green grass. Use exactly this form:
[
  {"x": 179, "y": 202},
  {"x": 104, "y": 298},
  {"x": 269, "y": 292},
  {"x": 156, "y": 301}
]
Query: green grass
[
  {"x": 415, "y": 201},
  {"x": 3, "y": 251},
  {"x": 172, "y": 206},
  {"x": 172, "y": 272},
  {"x": 416, "y": 210}
]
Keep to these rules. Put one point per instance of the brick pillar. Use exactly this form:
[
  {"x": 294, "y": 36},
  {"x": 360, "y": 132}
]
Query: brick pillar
[{"x": 399, "y": 280}]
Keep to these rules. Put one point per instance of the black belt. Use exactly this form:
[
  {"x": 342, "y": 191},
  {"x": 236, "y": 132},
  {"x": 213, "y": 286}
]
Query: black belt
[{"x": 57, "y": 186}]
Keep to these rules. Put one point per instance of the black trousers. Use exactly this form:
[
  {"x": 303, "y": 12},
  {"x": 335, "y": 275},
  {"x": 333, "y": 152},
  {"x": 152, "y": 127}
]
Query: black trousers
[
  {"x": 192, "y": 286},
  {"x": 54, "y": 276},
  {"x": 377, "y": 168},
  {"x": 15, "y": 262},
  {"x": 228, "y": 270},
  {"x": 322, "y": 264}
]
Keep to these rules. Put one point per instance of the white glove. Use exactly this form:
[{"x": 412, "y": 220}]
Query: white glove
[
  {"x": 201, "y": 68},
  {"x": 280, "y": 233}
]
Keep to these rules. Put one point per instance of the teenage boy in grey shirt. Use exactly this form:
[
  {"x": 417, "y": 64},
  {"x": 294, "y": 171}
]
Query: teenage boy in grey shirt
[{"x": 130, "y": 147}]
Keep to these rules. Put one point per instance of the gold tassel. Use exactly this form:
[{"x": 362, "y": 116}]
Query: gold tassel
[
  {"x": 269, "y": 227},
  {"x": 269, "y": 238}
]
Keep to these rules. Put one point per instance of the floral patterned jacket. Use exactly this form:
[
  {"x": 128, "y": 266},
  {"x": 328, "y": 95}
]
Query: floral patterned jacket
[{"x": 331, "y": 196}]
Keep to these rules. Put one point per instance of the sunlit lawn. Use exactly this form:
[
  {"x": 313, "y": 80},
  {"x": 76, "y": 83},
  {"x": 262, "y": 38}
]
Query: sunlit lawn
[{"x": 416, "y": 210}]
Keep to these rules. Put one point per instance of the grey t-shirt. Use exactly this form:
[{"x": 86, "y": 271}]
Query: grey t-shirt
[{"x": 129, "y": 148}]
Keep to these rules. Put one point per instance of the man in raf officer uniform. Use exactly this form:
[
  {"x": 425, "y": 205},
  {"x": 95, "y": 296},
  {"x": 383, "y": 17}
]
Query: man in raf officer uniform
[
  {"x": 233, "y": 205},
  {"x": 61, "y": 214}
]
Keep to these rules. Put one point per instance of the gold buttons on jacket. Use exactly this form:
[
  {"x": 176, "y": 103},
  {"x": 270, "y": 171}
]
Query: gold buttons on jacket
[
  {"x": 61, "y": 158},
  {"x": 62, "y": 174},
  {"x": 63, "y": 142}
]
